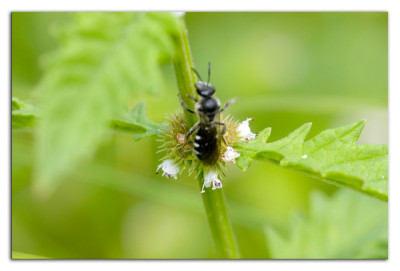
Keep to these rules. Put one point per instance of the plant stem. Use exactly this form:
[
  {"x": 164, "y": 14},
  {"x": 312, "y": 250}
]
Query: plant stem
[
  {"x": 221, "y": 230},
  {"x": 183, "y": 71},
  {"x": 213, "y": 200}
]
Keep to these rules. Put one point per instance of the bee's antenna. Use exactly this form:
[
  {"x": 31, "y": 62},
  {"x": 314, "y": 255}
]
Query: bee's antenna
[
  {"x": 198, "y": 75},
  {"x": 209, "y": 72}
]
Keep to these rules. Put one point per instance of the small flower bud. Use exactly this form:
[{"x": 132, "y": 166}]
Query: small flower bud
[
  {"x": 180, "y": 138},
  {"x": 244, "y": 131},
  {"x": 211, "y": 177},
  {"x": 230, "y": 155},
  {"x": 169, "y": 168}
]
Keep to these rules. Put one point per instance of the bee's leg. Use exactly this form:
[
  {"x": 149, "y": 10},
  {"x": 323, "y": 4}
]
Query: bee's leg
[
  {"x": 228, "y": 103},
  {"x": 191, "y": 97},
  {"x": 223, "y": 131},
  {"x": 184, "y": 105},
  {"x": 191, "y": 131}
]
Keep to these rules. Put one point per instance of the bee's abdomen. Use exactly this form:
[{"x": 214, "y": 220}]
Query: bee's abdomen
[{"x": 206, "y": 144}]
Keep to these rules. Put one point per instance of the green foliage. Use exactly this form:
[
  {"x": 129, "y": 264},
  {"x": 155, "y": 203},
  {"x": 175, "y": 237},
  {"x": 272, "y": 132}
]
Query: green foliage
[
  {"x": 103, "y": 60},
  {"x": 23, "y": 114},
  {"x": 293, "y": 75},
  {"x": 345, "y": 226},
  {"x": 331, "y": 156},
  {"x": 136, "y": 122}
]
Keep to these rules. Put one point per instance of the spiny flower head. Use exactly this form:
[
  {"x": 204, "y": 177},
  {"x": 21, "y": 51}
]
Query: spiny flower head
[{"x": 180, "y": 154}]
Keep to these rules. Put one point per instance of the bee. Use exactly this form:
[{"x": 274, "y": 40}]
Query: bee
[{"x": 209, "y": 131}]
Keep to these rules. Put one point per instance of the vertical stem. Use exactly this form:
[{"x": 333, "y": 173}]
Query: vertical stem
[
  {"x": 183, "y": 71},
  {"x": 218, "y": 220},
  {"x": 213, "y": 200}
]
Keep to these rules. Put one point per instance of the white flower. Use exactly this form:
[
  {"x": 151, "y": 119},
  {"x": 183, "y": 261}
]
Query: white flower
[
  {"x": 230, "y": 155},
  {"x": 170, "y": 169},
  {"x": 211, "y": 178},
  {"x": 244, "y": 131}
]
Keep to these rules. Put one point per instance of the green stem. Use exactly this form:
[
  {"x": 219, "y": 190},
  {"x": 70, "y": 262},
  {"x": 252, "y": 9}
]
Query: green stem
[
  {"x": 183, "y": 71},
  {"x": 221, "y": 229},
  {"x": 213, "y": 200}
]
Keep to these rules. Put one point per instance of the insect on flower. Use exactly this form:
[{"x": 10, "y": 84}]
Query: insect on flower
[
  {"x": 209, "y": 131},
  {"x": 204, "y": 148}
]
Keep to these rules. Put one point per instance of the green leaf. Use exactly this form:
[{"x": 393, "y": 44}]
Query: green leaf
[
  {"x": 136, "y": 122},
  {"x": 348, "y": 225},
  {"x": 332, "y": 156},
  {"x": 23, "y": 114},
  {"x": 104, "y": 60}
]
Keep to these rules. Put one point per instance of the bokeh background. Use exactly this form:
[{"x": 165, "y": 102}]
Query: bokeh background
[{"x": 286, "y": 69}]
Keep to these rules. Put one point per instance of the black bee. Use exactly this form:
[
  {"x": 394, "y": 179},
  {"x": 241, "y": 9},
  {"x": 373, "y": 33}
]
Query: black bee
[{"x": 208, "y": 137}]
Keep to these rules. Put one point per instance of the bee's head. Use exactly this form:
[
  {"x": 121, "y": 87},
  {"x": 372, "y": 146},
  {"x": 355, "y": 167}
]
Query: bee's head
[{"x": 205, "y": 89}]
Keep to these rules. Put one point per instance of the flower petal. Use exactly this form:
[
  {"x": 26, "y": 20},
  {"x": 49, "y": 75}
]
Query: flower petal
[
  {"x": 230, "y": 155},
  {"x": 211, "y": 178},
  {"x": 244, "y": 131},
  {"x": 169, "y": 168}
]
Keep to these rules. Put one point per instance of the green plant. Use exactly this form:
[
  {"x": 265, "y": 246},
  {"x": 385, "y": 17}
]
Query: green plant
[
  {"x": 106, "y": 59},
  {"x": 330, "y": 233}
]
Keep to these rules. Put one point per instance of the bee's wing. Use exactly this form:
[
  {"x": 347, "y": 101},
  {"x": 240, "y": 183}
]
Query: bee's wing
[{"x": 218, "y": 118}]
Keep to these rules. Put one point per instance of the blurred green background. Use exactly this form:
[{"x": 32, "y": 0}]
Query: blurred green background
[{"x": 286, "y": 69}]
